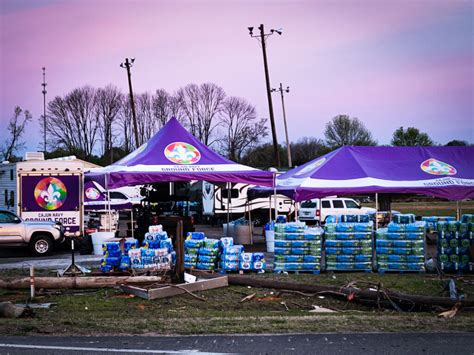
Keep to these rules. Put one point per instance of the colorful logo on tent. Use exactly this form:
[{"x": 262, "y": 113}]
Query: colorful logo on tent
[
  {"x": 182, "y": 153},
  {"x": 311, "y": 166},
  {"x": 92, "y": 193},
  {"x": 50, "y": 193},
  {"x": 437, "y": 167}
]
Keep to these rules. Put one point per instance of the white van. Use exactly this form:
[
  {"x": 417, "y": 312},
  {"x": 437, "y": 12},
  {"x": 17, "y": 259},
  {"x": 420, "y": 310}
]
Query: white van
[{"x": 311, "y": 211}]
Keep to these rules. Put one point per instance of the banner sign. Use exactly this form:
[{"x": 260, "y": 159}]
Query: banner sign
[{"x": 52, "y": 198}]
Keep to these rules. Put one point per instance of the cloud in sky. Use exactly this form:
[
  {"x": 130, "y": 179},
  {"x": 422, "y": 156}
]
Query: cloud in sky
[{"x": 398, "y": 63}]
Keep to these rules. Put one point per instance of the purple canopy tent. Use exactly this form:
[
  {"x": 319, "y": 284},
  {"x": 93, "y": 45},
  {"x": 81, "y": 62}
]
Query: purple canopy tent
[
  {"x": 446, "y": 172},
  {"x": 173, "y": 154}
]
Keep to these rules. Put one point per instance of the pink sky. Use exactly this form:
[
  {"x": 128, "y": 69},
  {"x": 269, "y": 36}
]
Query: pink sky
[{"x": 391, "y": 64}]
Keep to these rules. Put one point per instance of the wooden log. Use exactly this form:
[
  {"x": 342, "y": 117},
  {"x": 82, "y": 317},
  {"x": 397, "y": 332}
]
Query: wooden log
[
  {"x": 358, "y": 294},
  {"x": 77, "y": 282},
  {"x": 9, "y": 310},
  {"x": 173, "y": 290}
]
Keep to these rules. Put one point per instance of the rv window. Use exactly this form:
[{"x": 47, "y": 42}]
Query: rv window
[
  {"x": 308, "y": 204},
  {"x": 234, "y": 193},
  {"x": 337, "y": 204},
  {"x": 326, "y": 204}
]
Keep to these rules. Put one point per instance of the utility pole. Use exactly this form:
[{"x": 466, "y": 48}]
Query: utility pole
[
  {"x": 288, "y": 148},
  {"x": 262, "y": 37},
  {"x": 44, "y": 108},
  {"x": 127, "y": 65}
]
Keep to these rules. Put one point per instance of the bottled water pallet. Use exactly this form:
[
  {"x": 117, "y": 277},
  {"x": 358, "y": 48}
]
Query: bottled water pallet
[
  {"x": 395, "y": 271},
  {"x": 367, "y": 271},
  {"x": 297, "y": 272}
]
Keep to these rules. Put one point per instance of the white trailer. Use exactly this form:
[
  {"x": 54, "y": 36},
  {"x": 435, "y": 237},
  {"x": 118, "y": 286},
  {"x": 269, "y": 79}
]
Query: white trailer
[{"x": 220, "y": 200}]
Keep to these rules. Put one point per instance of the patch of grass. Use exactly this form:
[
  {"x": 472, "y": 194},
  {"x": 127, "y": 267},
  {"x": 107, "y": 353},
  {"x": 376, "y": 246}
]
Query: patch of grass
[
  {"x": 103, "y": 313},
  {"x": 431, "y": 208}
]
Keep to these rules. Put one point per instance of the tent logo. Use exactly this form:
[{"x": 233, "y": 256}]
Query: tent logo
[
  {"x": 182, "y": 153},
  {"x": 92, "y": 193},
  {"x": 311, "y": 166},
  {"x": 437, "y": 167},
  {"x": 50, "y": 193}
]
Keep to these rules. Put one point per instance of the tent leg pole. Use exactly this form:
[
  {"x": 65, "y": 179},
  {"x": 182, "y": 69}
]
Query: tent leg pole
[
  {"x": 131, "y": 217},
  {"x": 376, "y": 211},
  {"x": 274, "y": 195},
  {"x": 250, "y": 222},
  {"x": 109, "y": 214},
  {"x": 270, "y": 208},
  {"x": 458, "y": 212},
  {"x": 228, "y": 209}
]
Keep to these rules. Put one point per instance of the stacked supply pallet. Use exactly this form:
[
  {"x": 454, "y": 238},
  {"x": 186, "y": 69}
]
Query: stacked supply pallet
[
  {"x": 194, "y": 241},
  {"x": 156, "y": 252},
  {"x": 200, "y": 252},
  {"x": 230, "y": 257},
  {"x": 114, "y": 258},
  {"x": 208, "y": 254},
  {"x": 348, "y": 244},
  {"x": 454, "y": 241},
  {"x": 234, "y": 258},
  {"x": 432, "y": 221},
  {"x": 401, "y": 246},
  {"x": 297, "y": 248}
]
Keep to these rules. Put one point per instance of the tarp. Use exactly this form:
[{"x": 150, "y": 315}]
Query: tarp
[
  {"x": 446, "y": 172},
  {"x": 173, "y": 154}
]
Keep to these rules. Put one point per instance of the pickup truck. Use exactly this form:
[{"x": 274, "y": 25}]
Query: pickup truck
[
  {"x": 316, "y": 210},
  {"x": 40, "y": 237}
]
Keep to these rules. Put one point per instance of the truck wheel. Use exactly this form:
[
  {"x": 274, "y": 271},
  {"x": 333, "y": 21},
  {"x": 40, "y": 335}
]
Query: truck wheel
[{"x": 41, "y": 245}]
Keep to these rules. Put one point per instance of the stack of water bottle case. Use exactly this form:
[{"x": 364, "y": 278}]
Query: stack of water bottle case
[
  {"x": 211, "y": 254},
  {"x": 155, "y": 253},
  {"x": 432, "y": 221},
  {"x": 401, "y": 246},
  {"x": 297, "y": 247},
  {"x": 454, "y": 241},
  {"x": 348, "y": 242}
]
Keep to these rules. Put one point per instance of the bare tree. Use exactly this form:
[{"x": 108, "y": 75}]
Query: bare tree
[
  {"x": 108, "y": 104},
  {"x": 202, "y": 105},
  {"x": 188, "y": 99},
  {"x": 161, "y": 103},
  {"x": 147, "y": 125},
  {"x": 176, "y": 109},
  {"x": 242, "y": 128},
  {"x": 212, "y": 99},
  {"x": 16, "y": 128},
  {"x": 343, "y": 130},
  {"x": 73, "y": 122},
  {"x": 125, "y": 123}
]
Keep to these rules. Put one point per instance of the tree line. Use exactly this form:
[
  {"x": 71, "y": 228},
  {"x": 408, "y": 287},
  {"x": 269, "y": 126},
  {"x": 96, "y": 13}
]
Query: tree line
[{"x": 95, "y": 124}]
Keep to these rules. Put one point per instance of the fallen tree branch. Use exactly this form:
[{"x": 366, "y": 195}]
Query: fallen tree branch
[
  {"x": 402, "y": 300},
  {"x": 77, "y": 282}
]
